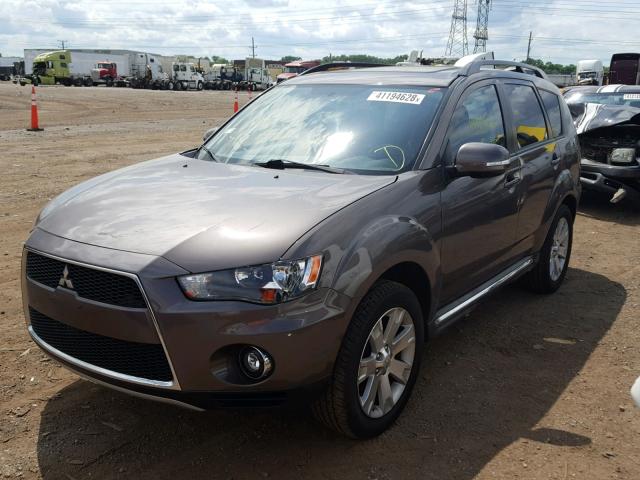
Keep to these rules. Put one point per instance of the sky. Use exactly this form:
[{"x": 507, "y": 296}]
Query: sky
[{"x": 564, "y": 31}]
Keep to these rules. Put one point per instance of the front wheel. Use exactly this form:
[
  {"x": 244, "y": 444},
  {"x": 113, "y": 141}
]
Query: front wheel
[
  {"x": 553, "y": 263},
  {"x": 377, "y": 365}
]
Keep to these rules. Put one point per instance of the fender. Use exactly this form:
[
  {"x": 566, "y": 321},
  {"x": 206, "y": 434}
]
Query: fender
[
  {"x": 565, "y": 186},
  {"x": 384, "y": 243}
]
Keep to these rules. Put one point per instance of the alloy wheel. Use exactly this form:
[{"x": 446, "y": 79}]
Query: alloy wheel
[
  {"x": 559, "y": 249},
  {"x": 386, "y": 362}
]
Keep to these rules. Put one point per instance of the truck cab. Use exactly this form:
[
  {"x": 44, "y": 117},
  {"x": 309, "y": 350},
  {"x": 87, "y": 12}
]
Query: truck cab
[
  {"x": 51, "y": 68},
  {"x": 186, "y": 76},
  {"x": 105, "y": 72},
  {"x": 589, "y": 72},
  {"x": 293, "y": 69}
]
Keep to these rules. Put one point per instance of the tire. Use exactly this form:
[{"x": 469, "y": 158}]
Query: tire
[
  {"x": 88, "y": 82},
  {"x": 200, "y": 85},
  {"x": 340, "y": 407},
  {"x": 109, "y": 82},
  {"x": 544, "y": 279},
  {"x": 77, "y": 82}
]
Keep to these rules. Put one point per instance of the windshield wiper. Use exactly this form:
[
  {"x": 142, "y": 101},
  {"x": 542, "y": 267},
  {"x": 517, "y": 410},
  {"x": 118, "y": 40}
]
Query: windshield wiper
[
  {"x": 278, "y": 164},
  {"x": 211, "y": 155}
]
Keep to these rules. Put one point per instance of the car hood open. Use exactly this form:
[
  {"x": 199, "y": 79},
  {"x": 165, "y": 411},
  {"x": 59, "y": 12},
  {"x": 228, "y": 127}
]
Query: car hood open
[
  {"x": 591, "y": 116},
  {"x": 202, "y": 215}
]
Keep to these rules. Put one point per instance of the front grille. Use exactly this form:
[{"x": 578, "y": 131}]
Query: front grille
[
  {"x": 141, "y": 360},
  {"x": 89, "y": 283}
]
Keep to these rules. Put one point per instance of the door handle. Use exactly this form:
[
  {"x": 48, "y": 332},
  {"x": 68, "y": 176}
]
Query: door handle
[
  {"x": 512, "y": 178},
  {"x": 555, "y": 159}
]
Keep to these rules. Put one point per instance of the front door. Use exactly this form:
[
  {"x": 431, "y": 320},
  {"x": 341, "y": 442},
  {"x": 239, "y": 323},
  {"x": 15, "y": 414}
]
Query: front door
[{"x": 479, "y": 214}]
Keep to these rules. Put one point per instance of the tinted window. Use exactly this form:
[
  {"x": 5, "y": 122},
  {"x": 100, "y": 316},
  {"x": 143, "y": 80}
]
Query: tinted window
[
  {"x": 527, "y": 114},
  {"x": 552, "y": 106},
  {"x": 477, "y": 119}
]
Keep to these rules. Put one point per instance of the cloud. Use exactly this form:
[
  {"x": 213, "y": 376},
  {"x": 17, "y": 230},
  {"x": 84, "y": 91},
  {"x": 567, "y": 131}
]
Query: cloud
[{"x": 562, "y": 32}]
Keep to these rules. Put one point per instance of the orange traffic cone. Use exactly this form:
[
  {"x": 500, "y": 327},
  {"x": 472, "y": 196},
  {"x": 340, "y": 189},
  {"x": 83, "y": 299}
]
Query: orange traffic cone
[
  {"x": 34, "y": 112},
  {"x": 235, "y": 103}
]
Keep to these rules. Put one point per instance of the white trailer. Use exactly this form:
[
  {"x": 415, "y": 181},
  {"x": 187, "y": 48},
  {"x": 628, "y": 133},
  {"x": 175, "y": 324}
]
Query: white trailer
[{"x": 589, "y": 72}]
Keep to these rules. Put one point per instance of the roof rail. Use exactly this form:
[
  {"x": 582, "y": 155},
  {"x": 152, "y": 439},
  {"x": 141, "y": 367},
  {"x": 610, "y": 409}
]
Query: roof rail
[
  {"x": 519, "y": 67},
  {"x": 326, "y": 67}
]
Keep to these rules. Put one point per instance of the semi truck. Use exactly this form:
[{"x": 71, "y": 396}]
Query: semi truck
[
  {"x": 589, "y": 72},
  {"x": 222, "y": 77},
  {"x": 293, "y": 69},
  {"x": 186, "y": 76},
  {"x": 256, "y": 75},
  {"x": 625, "y": 69},
  {"x": 64, "y": 68},
  {"x": 11, "y": 67}
]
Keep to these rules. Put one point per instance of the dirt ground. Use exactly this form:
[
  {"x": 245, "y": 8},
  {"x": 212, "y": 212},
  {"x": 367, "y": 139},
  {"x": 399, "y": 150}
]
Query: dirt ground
[{"x": 527, "y": 386}]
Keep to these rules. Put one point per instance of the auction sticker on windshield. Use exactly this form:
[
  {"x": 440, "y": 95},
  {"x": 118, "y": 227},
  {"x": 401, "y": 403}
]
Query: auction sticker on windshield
[{"x": 396, "y": 97}]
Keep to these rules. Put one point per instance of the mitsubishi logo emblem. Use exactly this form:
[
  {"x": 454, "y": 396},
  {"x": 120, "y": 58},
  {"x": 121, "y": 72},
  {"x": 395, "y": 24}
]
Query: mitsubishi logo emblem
[{"x": 65, "y": 281}]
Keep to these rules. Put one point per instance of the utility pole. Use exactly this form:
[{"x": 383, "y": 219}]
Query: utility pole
[
  {"x": 482, "y": 26},
  {"x": 253, "y": 48},
  {"x": 62, "y": 43},
  {"x": 457, "y": 45},
  {"x": 529, "y": 46}
]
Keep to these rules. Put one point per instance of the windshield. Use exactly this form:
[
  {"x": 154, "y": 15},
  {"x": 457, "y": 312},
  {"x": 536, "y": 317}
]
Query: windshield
[
  {"x": 368, "y": 129},
  {"x": 294, "y": 69},
  {"x": 613, "y": 98}
]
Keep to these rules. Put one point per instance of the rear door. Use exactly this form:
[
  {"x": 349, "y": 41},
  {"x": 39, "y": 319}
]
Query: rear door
[
  {"x": 479, "y": 214},
  {"x": 535, "y": 141}
]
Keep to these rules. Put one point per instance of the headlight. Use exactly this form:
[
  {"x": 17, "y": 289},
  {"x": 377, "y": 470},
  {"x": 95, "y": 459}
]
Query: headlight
[
  {"x": 271, "y": 283},
  {"x": 623, "y": 156}
]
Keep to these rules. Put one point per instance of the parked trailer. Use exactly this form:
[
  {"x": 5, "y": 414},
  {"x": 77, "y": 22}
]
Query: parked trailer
[{"x": 625, "y": 69}]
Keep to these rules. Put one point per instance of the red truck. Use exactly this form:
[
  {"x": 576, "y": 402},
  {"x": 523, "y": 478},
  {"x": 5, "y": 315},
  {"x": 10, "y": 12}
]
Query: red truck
[
  {"x": 294, "y": 69},
  {"x": 105, "y": 72}
]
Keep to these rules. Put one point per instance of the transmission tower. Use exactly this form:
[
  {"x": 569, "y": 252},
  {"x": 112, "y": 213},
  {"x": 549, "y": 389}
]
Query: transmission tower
[
  {"x": 482, "y": 26},
  {"x": 457, "y": 46}
]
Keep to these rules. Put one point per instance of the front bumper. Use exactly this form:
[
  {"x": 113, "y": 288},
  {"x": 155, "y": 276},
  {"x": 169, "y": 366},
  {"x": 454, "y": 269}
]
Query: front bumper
[
  {"x": 610, "y": 178},
  {"x": 303, "y": 336}
]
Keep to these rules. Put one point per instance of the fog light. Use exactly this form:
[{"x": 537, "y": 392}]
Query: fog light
[{"x": 255, "y": 363}]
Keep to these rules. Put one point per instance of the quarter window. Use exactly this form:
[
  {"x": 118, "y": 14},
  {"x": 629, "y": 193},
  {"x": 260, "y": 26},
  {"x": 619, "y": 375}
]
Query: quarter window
[
  {"x": 477, "y": 118},
  {"x": 527, "y": 114},
  {"x": 552, "y": 106}
]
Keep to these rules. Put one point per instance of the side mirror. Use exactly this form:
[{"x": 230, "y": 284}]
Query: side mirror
[
  {"x": 209, "y": 133},
  {"x": 481, "y": 160}
]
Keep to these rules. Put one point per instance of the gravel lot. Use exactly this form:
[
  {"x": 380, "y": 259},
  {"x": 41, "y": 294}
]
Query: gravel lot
[{"x": 526, "y": 387}]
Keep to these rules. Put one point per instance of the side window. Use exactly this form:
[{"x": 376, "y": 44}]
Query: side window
[
  {"x": 527, "y": 114},
  {"x": 63, "y": 65},
  {"x": 477, "y": 118},
  {"x": 552, "y": 106}
]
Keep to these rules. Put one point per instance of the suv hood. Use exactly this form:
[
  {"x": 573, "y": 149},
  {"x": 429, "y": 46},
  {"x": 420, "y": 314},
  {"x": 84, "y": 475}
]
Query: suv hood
[
  {"x": 591, "y": 116},
  {"x": 202, "y": 215}
]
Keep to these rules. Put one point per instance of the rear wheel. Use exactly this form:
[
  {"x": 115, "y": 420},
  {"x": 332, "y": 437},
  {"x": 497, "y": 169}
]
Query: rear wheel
[
  {"x": 549, "y": 272},
  {"x": 88, "y": 82},
  {"x": 109, "y": 82},
  {"x": 377, "y": 365}
]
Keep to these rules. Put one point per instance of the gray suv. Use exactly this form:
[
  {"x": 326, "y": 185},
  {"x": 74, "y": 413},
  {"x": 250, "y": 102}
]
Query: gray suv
[{"x": 313, "y": 244}]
